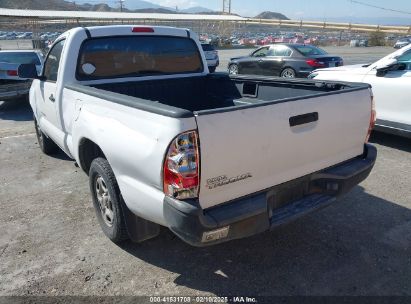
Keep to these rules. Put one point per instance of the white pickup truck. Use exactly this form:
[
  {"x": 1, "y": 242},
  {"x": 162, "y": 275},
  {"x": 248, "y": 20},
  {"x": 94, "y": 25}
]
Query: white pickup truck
[{"x": 212, "y": 157}]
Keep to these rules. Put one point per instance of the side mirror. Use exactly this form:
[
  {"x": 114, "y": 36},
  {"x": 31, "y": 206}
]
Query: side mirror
[
  {"x": 381, "y": 72},
  {"x": 28, "y": 71}
]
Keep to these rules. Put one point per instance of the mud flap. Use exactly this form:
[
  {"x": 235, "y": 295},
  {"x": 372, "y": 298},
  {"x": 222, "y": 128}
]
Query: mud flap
[{"x": 139, "y": 229}]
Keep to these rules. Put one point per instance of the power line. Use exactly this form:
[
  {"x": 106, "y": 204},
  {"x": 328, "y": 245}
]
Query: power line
[{"x": 380, "y": 7}]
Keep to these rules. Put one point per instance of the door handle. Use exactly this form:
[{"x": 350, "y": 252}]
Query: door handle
[
  {"x": 303, "y": 119},
  {"x": 52, "y": 99}
]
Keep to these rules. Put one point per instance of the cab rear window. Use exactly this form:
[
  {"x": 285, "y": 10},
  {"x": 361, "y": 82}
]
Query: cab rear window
[{"x": 133, "y": 56}]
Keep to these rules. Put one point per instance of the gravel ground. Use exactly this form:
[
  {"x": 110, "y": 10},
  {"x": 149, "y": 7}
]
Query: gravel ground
[{"x": 51, "y": 244}]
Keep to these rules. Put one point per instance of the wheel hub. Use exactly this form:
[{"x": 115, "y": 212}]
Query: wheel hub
[{"x": 104, "y": 200}]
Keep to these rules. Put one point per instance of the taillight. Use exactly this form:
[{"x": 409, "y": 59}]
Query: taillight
[
  {"x": 12, "y": 73},
  {"x": 181, "y": 167},
  {"x": 373, "y": 118},
  {"x": 315, "y": 63},
  {"x": 142, "y": 29}
]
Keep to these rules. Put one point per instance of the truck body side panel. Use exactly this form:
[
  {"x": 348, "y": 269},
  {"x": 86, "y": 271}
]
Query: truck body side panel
[{"x": 134, "y": 142}]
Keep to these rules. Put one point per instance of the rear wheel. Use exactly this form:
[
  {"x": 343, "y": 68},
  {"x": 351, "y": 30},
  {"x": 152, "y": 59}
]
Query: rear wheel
[
  {"x": 47, "y": 146},
  {"x": 212, "y": 69},
  {"x": 107, "y": 200},
  {"x": 233, "y": 69},
  {"x": 288, "y": 73}
]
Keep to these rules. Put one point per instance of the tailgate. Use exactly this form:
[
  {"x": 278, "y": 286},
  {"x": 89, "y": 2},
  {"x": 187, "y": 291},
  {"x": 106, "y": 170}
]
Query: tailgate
[{"x": 246, "y": 150}]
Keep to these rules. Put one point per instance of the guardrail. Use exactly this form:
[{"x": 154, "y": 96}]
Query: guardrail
[{"x": 333, "y": 25}]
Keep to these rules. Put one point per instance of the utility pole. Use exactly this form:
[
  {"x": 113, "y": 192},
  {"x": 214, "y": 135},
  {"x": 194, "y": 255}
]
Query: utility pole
[
  {"x": 226, "y": 6},
  {"x": 121, "y": 5}
]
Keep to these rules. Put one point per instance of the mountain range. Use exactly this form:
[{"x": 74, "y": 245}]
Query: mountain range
[
  {"x": 83, "y": 5},
  {"x": 139, "y": 6}
]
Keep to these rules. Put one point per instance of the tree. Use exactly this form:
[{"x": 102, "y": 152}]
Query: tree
[{"x": 377, "y": 39}]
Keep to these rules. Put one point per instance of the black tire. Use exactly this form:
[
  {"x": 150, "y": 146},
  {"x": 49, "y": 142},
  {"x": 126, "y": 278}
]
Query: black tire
[
  {"x": 47, "y": 146},
  {"x": 116, "y": 228},
  {"x": 288, "y": 73},
  {"x": 212, "y": 69}
]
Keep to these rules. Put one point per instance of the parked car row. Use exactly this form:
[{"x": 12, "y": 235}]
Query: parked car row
[{"x": 28, "y": 35}]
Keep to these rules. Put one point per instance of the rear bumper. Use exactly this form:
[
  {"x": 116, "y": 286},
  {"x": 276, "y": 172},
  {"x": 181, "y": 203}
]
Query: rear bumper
[
  {"x": 266, "y": 209},
  {"x": 16, "y": 90}
]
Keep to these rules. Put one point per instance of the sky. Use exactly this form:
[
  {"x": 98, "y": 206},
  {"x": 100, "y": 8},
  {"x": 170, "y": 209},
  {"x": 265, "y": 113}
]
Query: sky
[{"x": 299, "y": 9}]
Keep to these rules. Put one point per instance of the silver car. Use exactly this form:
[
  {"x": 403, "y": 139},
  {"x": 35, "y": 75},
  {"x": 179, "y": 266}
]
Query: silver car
[
  {"x": 402, "y": 42},
  {"x": 11, "y": 86},
  {"x": 211, "y": 55}
]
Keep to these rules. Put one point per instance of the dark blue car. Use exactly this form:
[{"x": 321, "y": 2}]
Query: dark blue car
[{"x": 284, "y": 60}]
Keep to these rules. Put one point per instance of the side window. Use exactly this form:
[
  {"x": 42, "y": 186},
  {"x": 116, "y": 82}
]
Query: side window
[
  {"x": 281, "y": 50},
  {"x": 51, "y": 65},
  {"x": 261, "y": 52},
  {"x": 405, "y": 58}
]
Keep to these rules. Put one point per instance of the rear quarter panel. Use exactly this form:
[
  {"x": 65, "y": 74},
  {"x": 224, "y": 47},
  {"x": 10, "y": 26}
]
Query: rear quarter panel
[{"x": 134, "y": 142}]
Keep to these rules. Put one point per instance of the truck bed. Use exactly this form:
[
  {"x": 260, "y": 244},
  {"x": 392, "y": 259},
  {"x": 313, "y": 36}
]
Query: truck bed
[
  {"x": 273, "y": 130},
  {"x": 221, "y": 91}
]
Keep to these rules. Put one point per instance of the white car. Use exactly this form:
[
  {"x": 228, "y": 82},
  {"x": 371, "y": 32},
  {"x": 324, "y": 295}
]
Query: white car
[{"x": 390, "y": 78}]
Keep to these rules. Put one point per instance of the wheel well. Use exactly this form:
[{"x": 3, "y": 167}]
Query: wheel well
[{"x": 88, "y": 151}]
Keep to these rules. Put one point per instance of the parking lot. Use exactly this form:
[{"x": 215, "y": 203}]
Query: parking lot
[{"x": 51, "y": 243}]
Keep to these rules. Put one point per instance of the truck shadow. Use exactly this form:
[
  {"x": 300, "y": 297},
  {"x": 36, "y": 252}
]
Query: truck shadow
[
  {"x": 392, "y": 141},
  {"x": 359, "y": 246},
  {"x": 17, "y": 110}
]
